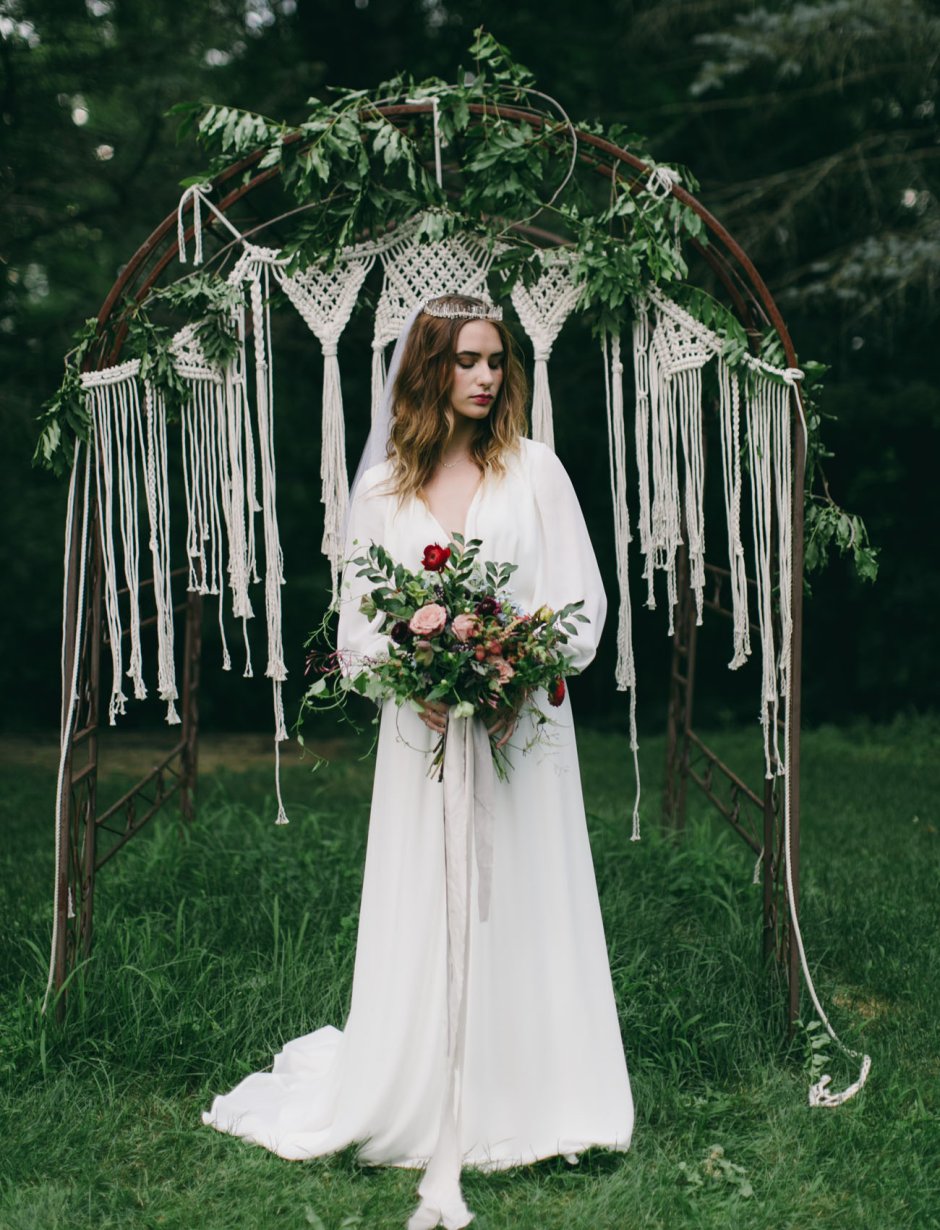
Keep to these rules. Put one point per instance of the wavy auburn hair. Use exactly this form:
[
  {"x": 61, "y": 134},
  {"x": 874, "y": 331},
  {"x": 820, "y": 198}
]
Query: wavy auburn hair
[{"x": 421, "y": 398}]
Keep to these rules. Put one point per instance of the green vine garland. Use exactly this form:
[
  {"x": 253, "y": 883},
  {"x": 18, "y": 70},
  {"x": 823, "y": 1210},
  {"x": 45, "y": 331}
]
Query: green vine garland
[{"x": 353, "y": 171}]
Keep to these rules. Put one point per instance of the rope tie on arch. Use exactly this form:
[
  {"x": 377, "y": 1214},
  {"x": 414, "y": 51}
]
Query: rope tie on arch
[{"x": 198, "y": 195}]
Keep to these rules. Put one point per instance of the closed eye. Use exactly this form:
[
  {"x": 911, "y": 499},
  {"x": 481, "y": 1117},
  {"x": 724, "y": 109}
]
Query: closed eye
[{"x": 470, "y": 358}]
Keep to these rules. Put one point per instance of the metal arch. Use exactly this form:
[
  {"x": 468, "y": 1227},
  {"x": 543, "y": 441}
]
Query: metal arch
[{"x": 688, "y": 758}]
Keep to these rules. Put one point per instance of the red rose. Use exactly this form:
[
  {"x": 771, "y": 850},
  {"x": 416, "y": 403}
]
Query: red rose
[
  {"x": 435, "y": 558},
  {"x": 557, "y": 692}
]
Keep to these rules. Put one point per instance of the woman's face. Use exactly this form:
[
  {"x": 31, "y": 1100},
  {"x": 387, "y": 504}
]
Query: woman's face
[{"x": 478, "y": 370}]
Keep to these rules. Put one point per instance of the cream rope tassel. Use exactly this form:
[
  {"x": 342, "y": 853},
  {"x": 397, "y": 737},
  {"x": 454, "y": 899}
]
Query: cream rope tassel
[
  {"x": 641, "y": 372},
  {"x": 128, "y": 432},
  {"x": 625, "y": 673},
  {"x": 665, "y": 511},
  {"x": 334, "y": 482},
  {"x": 759, "y": 451},
  {"x": 273, "y": 557},
  {"x": 378, "y": 379},
  {"x": 729, "y": 416},
  {"x": 690, "y": 432},
  {"x": 158, "y": 514},
  {"x": 69, "y": 686},
  {"x": 542, "y": 427}
]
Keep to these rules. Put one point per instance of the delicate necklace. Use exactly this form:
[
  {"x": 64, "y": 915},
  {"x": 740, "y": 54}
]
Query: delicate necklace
[{"x": 449, "y": 465}]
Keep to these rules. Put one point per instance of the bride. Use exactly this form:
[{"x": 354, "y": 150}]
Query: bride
[{"x": 509, "y": 1050}]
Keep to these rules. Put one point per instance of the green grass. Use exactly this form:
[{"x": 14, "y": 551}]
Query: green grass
[{"x": 210, "y": 951}]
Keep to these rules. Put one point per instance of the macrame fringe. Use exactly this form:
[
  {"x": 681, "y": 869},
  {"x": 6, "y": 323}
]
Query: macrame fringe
[
  {"x": 325, "y": 299},
  {"x": 625, "y": 672},
  {"x": 668, "y": 364},
  {"x": 158, "y": 515},
  {"x": 543, "y": 309},
  {"x": 729, "y": 417}
]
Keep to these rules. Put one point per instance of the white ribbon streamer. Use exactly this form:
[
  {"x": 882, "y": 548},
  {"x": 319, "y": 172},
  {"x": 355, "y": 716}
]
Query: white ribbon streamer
[{"x": 468, "y": 825}]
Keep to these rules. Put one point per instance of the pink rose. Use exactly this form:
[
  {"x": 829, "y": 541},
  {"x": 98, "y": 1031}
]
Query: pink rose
[
  {"x": 465, "y": 626},
  {"x": 503, "y": 670},
  {"x": 428, "y": 620}
]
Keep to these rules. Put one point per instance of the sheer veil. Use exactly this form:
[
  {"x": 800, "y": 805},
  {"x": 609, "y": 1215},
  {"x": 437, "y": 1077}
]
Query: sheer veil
[{"x": 376, "y": 446}]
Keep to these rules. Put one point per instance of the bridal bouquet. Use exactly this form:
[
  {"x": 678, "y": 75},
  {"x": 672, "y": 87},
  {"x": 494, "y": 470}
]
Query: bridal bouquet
[{"x": 454, "y": 635}]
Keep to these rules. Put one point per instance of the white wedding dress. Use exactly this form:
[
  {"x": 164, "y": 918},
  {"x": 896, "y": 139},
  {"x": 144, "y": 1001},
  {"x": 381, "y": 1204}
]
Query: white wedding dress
[{"x": 543, "y": 1069}]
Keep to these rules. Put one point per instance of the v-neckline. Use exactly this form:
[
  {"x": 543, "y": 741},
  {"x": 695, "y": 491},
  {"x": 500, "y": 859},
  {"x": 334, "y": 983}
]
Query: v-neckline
[{"x": 448, "y": 534}]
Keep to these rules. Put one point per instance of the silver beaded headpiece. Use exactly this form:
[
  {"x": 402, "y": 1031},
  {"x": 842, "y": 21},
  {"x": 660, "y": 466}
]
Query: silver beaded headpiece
[{"x": 445, "y": 307}]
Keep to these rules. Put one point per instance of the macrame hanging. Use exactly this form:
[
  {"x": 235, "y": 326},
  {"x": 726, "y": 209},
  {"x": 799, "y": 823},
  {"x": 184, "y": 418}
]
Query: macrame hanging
[
  {"x": 673, "y": 374},
  {"x": 325, "y": 299},
  {"x": 216, "y": 437},
  {"x": 417, "y": 269},
  {"x": 543, "y": 308},
  {"x": 113, "y": 403}
]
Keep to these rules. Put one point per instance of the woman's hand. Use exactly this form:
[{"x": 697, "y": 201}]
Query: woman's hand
[
  {"x": 434, "y": 715},
  {"x": 503, "y": 725},
  {"x": 504, "y": 722}
]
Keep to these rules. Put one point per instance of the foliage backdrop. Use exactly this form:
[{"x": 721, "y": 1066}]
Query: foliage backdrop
[{"x": 812, "y": 128}]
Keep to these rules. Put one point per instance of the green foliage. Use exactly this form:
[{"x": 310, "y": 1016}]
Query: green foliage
[
  {"x": 365, "y": 172},
  {"x": 827, "y": 526},
  {"x": 352, "y": 170},
  {"x": 65, "y": 412}
]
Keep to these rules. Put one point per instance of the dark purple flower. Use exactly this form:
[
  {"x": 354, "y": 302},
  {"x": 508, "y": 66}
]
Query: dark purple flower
[
  {"x": 400, "y": 632},
  {"x": 488, "y": 606}
]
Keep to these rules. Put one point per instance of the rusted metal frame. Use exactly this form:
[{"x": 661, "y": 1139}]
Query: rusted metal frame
[
  {"x": 137, "y": 823},
  {"x": 141, "y": 785},
  {"x": 740, "y": 785},
  {"x": 757, "y": 295},
  {"x": 711, "y": 605},
  {"x": 739, "y": 791},
  {"x": 713, "y": 602},
  {"x": 730, "y": 813}
]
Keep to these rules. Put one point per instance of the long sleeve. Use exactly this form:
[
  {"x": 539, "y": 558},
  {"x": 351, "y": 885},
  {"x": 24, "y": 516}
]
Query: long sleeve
[
  {"x": 358, "y": 638},
  {"x": 568, "y": 568}
]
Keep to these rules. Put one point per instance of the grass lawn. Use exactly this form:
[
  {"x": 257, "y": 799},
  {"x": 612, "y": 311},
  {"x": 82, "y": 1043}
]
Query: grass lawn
[{"x": 213, "y": 949}]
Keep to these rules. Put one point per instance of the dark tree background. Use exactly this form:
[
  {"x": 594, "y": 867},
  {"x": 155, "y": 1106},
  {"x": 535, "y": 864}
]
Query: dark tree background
[{"x": 812, "y": 127}]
